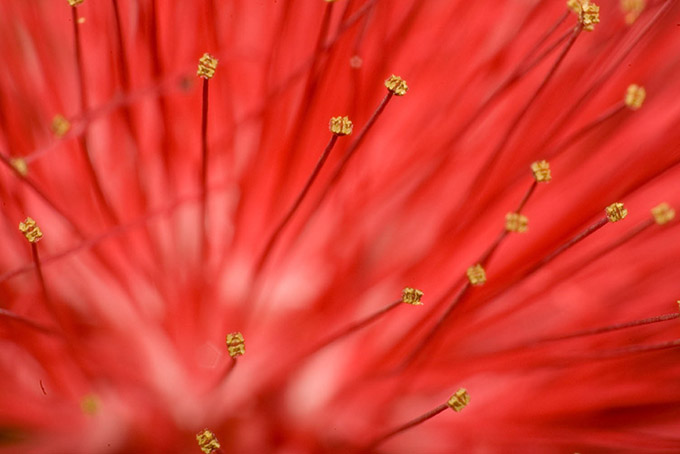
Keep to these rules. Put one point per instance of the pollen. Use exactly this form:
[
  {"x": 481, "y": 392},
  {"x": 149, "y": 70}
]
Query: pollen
[
  {"x": 459, "y": 400},
  {"x": 541, "y": 171},
  {"x": 396, "y": 85},
  {"x": 616, "y": 212},
  {"x": 207, "y": 441},
  {"x": 20, "y": 166},
  {"x": 515, "y": 222},
  {"x": 663, "y": 213},
  {"x": 75, "y": 2},
  {"x": 588, "y": 13},
  {"x": 340, "y": 126},
  {"x": 207, "y": 65},
  {"x": 411, "y": 296},
  {"x": 632, "y": 9},
  {"x": 30, "y": 230},
  {"x": 476, "y": 275},
  {"x": 236, "y": 345},
  {"x": 635, "y": 96},
  {"x": 60, "y": 125}
]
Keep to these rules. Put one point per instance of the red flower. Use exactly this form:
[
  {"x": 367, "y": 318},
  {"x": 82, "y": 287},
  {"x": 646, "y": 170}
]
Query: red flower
[{"x": 176, "y": 209}]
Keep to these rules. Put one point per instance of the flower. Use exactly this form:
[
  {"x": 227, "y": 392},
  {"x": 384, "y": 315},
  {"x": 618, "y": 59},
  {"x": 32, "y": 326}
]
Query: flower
[{"x": 177, "y": 209}]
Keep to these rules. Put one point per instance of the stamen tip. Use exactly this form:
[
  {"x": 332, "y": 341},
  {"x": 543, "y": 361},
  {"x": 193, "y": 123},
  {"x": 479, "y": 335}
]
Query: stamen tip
[
  {"x": 411, "y": 296},
  {"x": 516, "y": 222},
  {"x": 663, "y": 213},
  {"x": 616, "y": 212},
  {"x": 75, "y": 2},
  {"x": 30, "y": 230},
  {"x": 236, "y": 345},
  {"x": 541, "y": 170},
  {"x": 459, "y": 400},
  {"x": 588, "y": 13},
  {"x": 635, "y": 96},
  {"x": 207, "y": 65},
  {"x": 396, "y": 85},
  {"x": 60, "y": 125},
  {"x": 207, "y": 441},
  {"x": 476, "y": 274},
  {"x": 340, "y": 126},
  {"x": 20, "y": 166}
]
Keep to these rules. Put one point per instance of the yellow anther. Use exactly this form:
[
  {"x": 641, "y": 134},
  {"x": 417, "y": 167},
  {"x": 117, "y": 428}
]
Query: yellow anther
[
  {"x": 60, "y": 125},
  {"x": 663, "y": 213},
  {"x": 207, "y": 441},
  {"x": 635, "y": 96},
  {"x": 20, "y": 166},
  {"x": 89, "y": 404},
  {"x": 616, "y": 212},
  {"x": 476, "y": 275},
  {"x": 678, "y": 305},
  {"x": 396, "y": 85},
  {"x": 411, "y": 296},
  {"x": 588, "y": 13},
  {"x": 30, "y": 230},
  {"x": 236, "y": 345},
  {"x": 207, "y": 65},
  {"x": 632, "y": 9},
  {"x": 330, "y": 1},
  {"x": 459, "y": 400},
  {"x": 541, "y": 171},
  {"x": 75, "y": 2},
  {"x": 341, "y": 126},
  {"x": 515, "y": 222}
]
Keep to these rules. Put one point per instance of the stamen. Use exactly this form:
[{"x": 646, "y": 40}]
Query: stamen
[
  {"x": 341, "y": 126},
  {"x": 396, "y": 85},
  {"x": 476, "y": 275},
  {"x": 207, "y": 441},
  {"x": 515, "y": 222},
  {"x": 616, "y": 212},
  {"x": 632, "y": 9},
  {"x": 30, "y": 230},
  {"x": 589, "y": 13},
  {"x": 635, "y": 96},
  {"x": 75, "y": 3},
  {"x": 541, "y": 171},
  {"x": 82, "y": 140},
  {"x": 411, "y": 296},
  {"x": 338, "y": 126},
  {"x": 60, "y": 125},
  {"x": 236, "y": 345},
  {"x": 663, "y": 213},
  {"x": 459, "y": 400},
  {"x": 20, "y": 166},
  {"x": 617, "y": 327},
  {"x": 207, "y": 65}
]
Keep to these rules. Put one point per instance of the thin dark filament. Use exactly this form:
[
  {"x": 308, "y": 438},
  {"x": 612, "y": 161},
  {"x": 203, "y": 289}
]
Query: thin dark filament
[
  {"x": 351, "y": 150},
  {"x": 310, "y": 89},
  {"x": 354, "y": 327},
  {"x": 82, "y": 141},
  {"x": 492, "y": 160},
  {"x": 616, "y": 327},
  {"x": 582, "y": 132},
  {"x": 26, "y": 321},
  {"x": 276, "y": 234},
  {"x": 414, "y": 422},
  {"x": 204, "y": 171},
  {"x": 569, "y": 244}
]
